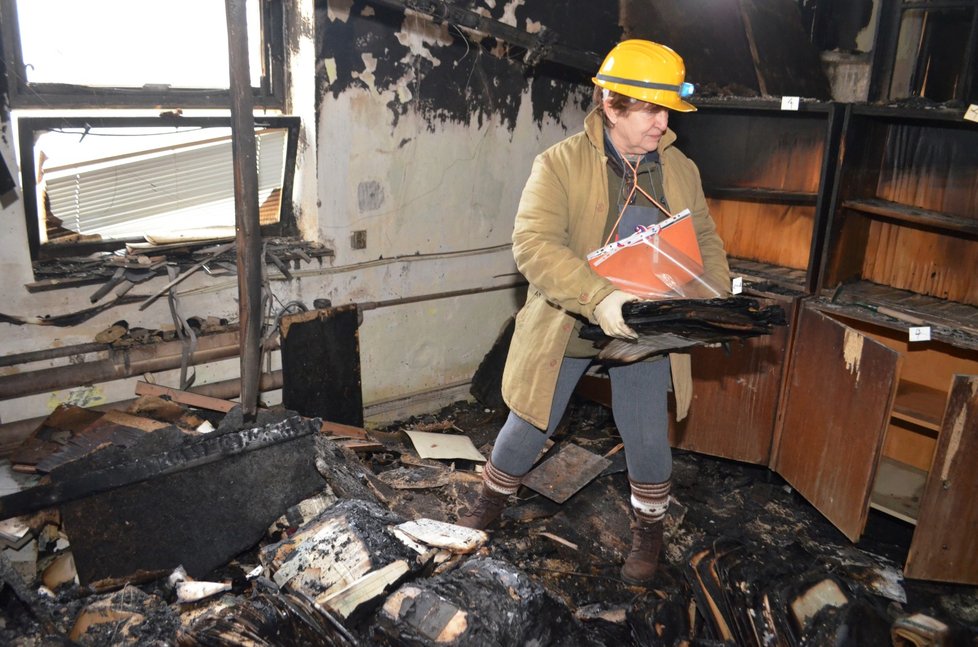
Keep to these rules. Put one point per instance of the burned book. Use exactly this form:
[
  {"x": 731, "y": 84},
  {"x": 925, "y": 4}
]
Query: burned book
[{"x": 673, "y": 324}]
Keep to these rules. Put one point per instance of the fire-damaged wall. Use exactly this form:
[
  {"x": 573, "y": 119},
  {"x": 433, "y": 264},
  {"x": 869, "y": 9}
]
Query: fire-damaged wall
[
  {"x": 426, "y": 135},
  {"x": 417, "y": 137}
]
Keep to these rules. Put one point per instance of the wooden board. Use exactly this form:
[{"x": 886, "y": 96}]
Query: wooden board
[
  {"x": 185, "y": 397},
  {"x": 562, "y": 475},
  {"x": 943, "y": 546},
  {"x": 837, "y": 402},
  {"x": 735, "y": 398},
  {"x": 321, "y": 364}
]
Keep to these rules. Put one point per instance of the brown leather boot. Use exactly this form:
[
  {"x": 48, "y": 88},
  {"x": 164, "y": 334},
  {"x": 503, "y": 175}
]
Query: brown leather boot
[
  {"x": 487, "y": 508},
  {"x": 643, "y": 560}
]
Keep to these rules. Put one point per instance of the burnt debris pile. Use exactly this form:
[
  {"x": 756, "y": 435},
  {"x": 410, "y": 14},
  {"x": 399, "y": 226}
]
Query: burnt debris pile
[{"x": 292, "y": 531}]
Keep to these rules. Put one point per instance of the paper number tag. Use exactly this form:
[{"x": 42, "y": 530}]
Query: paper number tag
[
  {"x": 972, "y": 112},
  {"x": 789, "y": 103},
  {"x": 920, "y": 333},
  {"x": 737, "y": 285}
]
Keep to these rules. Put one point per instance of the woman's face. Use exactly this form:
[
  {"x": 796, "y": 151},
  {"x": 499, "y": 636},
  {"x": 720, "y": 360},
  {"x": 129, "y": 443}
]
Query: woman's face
[{"x": 637, "y": 131}]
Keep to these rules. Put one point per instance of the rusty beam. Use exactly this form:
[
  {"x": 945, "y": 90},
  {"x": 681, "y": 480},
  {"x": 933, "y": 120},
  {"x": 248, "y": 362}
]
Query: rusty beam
[{"x": 244, "y": 158}]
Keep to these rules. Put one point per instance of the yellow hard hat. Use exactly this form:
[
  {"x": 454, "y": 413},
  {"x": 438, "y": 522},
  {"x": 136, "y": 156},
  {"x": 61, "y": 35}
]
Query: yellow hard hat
[{"x": 648, "y": 72}]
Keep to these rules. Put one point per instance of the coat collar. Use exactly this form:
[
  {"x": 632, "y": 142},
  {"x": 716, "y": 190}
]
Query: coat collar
[{"x": 594, "y": 129}]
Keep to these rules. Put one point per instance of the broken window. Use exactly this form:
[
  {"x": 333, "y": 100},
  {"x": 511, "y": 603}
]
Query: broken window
[
  {"x": 116, "y": 53},
  {"x": 95, "y": 170},
  {"x": 932, "y": 51},
  {"x": 99, "y": 182}
]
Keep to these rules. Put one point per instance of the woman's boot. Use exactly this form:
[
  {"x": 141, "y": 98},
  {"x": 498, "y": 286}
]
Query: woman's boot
[
  {"x": 497, "y": 486},
  {"x": 650, "y": 502}
]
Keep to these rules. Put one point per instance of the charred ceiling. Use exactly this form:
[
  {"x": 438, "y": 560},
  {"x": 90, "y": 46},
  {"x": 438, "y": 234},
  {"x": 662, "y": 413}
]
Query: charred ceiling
[{"x": 457, "y": 75}]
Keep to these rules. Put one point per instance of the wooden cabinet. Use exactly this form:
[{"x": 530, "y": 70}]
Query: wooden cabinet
[
  {"x": 767, "y": 175},
  {"x": 874, "y": 415}
]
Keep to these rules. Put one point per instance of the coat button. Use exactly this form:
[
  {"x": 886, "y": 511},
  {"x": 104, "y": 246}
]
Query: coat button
[
  {"x": 553, "y": 363},
  {"x": 584, "y": 298}
]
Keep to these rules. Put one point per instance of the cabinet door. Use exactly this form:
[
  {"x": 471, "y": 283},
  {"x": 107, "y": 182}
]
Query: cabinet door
[
  {"x": 735, "y": 397},
  {"x": 944, "y": 545},
  {"x": 840, "y": 387}
]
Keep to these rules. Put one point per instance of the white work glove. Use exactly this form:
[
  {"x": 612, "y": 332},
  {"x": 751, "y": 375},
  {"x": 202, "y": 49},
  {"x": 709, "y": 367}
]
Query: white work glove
[{"x": 609, "y": 317}]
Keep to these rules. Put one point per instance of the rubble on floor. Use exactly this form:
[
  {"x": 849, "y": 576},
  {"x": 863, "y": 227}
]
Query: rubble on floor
[{"x": 370, "y": 555}]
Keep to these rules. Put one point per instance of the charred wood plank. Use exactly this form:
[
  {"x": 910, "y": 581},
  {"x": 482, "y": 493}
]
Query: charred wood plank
[
  {"x": 321, "y": 364},
  {"x": 198, "y": 452},
  {"x": 204, "y": 503},
  {"x": 185, "y": 397}
]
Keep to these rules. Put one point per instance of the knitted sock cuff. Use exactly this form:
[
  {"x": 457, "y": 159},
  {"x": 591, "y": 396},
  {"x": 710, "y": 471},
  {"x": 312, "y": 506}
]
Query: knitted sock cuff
[
  {"x": 650, "y": 500},
  {"x": 499, "y": 481}
]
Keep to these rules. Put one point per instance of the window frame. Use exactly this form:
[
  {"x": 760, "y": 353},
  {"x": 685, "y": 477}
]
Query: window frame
[
  {"x": 53, "y": 96},
  {"x": 29, "y": 127}
]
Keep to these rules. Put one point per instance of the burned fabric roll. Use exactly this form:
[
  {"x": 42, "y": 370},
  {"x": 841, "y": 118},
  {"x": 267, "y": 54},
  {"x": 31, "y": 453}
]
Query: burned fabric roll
[{"x": 674, "y": 324}]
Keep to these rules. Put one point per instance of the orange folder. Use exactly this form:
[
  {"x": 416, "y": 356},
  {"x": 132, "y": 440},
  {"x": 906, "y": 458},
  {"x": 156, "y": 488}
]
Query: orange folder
[{"x": 653, "y": 263}]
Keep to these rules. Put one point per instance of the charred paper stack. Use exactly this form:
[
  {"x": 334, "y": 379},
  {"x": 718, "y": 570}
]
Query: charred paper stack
[{"x": 674, "y": 324}]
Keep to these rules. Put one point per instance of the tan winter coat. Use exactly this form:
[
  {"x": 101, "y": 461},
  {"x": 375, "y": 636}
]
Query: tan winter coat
[{"x": 562, "y": 215}]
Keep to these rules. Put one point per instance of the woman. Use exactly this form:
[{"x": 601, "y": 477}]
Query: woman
[{"x": 622, "y": 171}]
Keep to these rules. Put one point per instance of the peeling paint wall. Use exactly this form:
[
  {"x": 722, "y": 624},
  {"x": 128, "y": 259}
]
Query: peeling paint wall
[{"x": 427, "y": 134}]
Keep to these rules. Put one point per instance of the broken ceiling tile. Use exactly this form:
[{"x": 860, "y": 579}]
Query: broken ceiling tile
[
  {"x": 365, "y": 589},
  {"x": 14, "y": 533},
  {"x": 824, "y": 593},
  {"x": 341, "y": 545},
  {"x": 439, "y": 534},
  {"x": 444, "y": 446}
]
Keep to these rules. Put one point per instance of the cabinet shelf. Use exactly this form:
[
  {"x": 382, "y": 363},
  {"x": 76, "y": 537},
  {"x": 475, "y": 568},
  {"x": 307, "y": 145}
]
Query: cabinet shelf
[
  {"x": 951, "y": 322},
  {"x": 919, "y": 405},
  {"x": 898, "y": 489},
  {"x": 765, "y": 275},
  {"x": 754, "y": 194},
  {"x": 915, "y": 216}
]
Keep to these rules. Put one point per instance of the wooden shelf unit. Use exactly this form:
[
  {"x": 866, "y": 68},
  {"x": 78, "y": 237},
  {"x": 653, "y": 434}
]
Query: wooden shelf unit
[
  {"x": 767, "y": 174},
  {"x": 899, "y": 260}
]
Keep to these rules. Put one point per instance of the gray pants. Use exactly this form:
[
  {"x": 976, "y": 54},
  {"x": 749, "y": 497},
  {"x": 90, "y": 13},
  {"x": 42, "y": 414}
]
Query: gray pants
[{"x": 638, "y": 403}]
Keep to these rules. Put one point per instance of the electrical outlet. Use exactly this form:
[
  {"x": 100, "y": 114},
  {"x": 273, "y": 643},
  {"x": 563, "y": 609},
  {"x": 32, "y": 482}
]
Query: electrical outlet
[{"x": 358, "y": 239}]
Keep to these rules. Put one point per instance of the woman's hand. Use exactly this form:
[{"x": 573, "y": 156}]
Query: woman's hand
[{"x": 609, "y": 317}]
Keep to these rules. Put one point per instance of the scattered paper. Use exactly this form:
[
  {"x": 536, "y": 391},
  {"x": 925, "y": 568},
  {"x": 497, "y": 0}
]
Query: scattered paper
[{"x": 444, "y": 446}]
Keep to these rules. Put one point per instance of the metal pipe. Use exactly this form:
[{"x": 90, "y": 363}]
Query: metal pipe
[
  {"x": 119, "y": 364},
  {"x": 373, "y": 305},
  {"x": 52, "y": 353},
  {"x": 244, "y": 160}
]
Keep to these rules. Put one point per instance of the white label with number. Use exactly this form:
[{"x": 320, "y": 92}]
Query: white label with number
[
  {"x": 920, "y": 333},
  {"x": 790, "y": 103},
  {"x": 737, "y": 285},
  {"x": 972, "y": 112}
]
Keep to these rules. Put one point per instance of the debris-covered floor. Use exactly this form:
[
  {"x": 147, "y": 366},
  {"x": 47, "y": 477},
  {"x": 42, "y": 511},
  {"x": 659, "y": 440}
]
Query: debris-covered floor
[{"x": 748, "y": 561}]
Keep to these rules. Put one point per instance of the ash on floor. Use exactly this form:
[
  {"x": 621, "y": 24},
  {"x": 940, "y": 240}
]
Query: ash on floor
[
  {"x": 747, "y": 562},
  {"x": 745, "y": 554}
]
